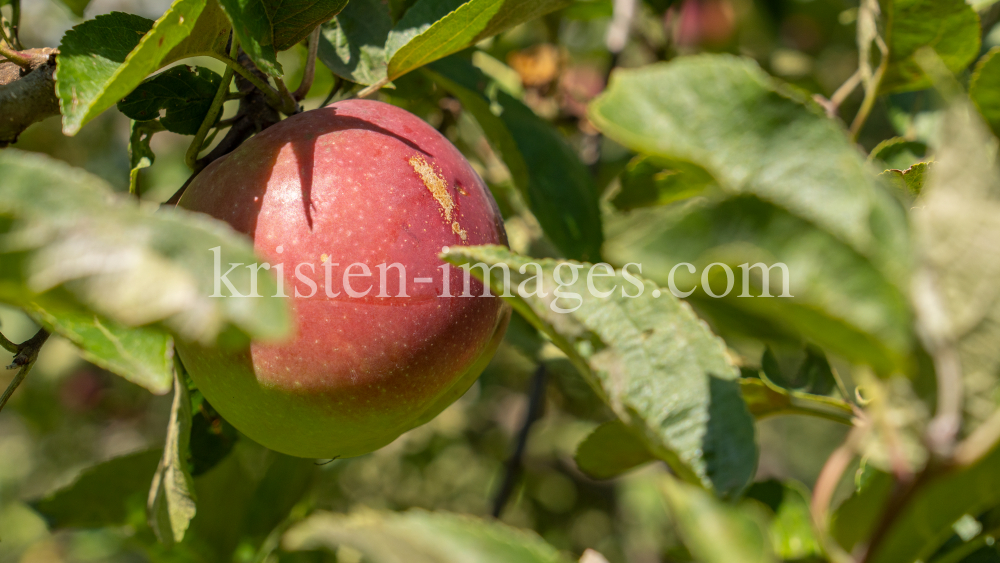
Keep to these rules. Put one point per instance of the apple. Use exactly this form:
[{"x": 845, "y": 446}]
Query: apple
[{"x": 329, "y": 195}]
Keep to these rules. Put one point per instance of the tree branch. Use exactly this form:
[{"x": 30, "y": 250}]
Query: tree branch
[
  {"x": 27, "y": 95},
  {"x": 535, "y": 402},
  {"x": 255, "y": 114},
  {"x": 24, "y": 358}
]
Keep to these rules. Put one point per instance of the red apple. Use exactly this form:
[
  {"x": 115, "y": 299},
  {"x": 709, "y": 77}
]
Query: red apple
[{"x": 366, "y": 183}]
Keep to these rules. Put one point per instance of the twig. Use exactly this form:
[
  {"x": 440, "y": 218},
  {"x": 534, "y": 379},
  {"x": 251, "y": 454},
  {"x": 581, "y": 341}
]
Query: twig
[
  {"x": 983, "y": 439},
  {"x": 24, "y": 358},
  {"x": 513, "y": 470},
  {"x": 272, "y": 95},
  {"x": 15, "y": 23},
  {"x": 373, "y": 88},
  {"x": 7, "y": 344},
  {"x": 310, "y": 70},
  {"x": 288, "y": 104},
  {"x": 191, "y": 157},
  {"x": 871, "y": 94},
  {"x": 843, "y": 91},
  {"x": 255, "y": 114},
  {"x": 623, "y": 13},
  {"x": 337, "y": 82},
  {"x": 22, "y": 60},
  {"x": 826, "y": 484}
]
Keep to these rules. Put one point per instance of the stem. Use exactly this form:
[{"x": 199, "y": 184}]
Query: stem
[
  {"x": 310, "y": 71},
  {"x": 333, "y": 91},
  {"x": 535, "y": 401},
  {"x": 871, "y": 94},
  {"x": 21, "y": 373},
  {"x": 7, "y": 344},
  {"x": 288, "y": 104},
  {"x": 269, "y": 92},
  {"x": 843, "y": 91},
  {"x": 213, "y": 112},
  {"x": 826, "y": 484},
  {"x": 14, "y": 56},
  {"x": 975, "y": 544},
  {"x": 15, "y": 24},
  {"x": 373, "y": 88}
]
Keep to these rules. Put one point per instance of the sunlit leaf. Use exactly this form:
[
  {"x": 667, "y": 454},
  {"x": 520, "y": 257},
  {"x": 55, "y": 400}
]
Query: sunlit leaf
[
  {"x": 792, "y": 190},
  {"x": 650, "y": 181},
  {"x": 352, "y": 44},
  {"x": 984, "y": 88},
  {"x": 764, "y": 398},
  {"x": 102, "y": 60},
  {"x": 417, "y": 536},
  {"x": 67, "y": 242},
  {"x": 433, "y": 29},
  {"x": 171, "y": 503},
  {"x": 791, "y": 528},
  {"x": 142, "y": 355},
  {"x": 957, "y": 224},
  {"x": 140, "y": 154},
  {"x": 610, "y": 450},
  {"x": 266, "y": 27},
  {"x": 557, "y": 187},
  {"x": 909, "y": 181},
  {"x": 652, "y": 360},
  {"x": 950, "y": 27},
  {"x": 715, "y": 532}
]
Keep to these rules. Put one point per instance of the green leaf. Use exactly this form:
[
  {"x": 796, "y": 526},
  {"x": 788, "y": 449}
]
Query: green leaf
[
  {"x": 75, "y": 6},
  {"x": 102, "y": 60},
  {"x": 898, "y": 153},
  {"x": 909, "y": 181},
  {"x": 652, "y": 181},
  {"x": 68, "y": 243},
  {"x": 610, "y": 450},
  {"x": 646, "y": 354},
  {"x": 792, "y": 189},
  {"x": 399, "y": 7},
  {"x": 141, "y": 355},
  {"x": 185, "y": 93},
  {"x": 171, "y": 503},
  {"x": 557, "y": 187},
  {"x": 791, "y": 528},
  {"x": 925, "y": 523},
  {"x": 352, "y": 44},
  {"x": 246, "y": 497},
  {"x": 856, "y": 518},
  {"x": 140, "y": 154},
  {"x": 984, "y": 88},
  {"x": 416, "y": 535},
  {"x": 266, "y": 27},
  {"x": 715, "y": 532},
  {"x": 433, "y": 29},
  {"x": 763, "y": 399},
  {"x": 957, "y": 223},
  {"x": 212, "y": 437},
  {"x": 812, "y": 371},
  {"x": 950, "y": 27},
  {"x": 106, "y": 494}
]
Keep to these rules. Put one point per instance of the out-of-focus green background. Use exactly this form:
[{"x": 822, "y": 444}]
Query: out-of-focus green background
[{"x": 69, "y": 414}]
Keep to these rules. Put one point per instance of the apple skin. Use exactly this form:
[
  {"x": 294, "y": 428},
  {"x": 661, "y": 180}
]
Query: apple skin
[{"x": 353, "y": 182}]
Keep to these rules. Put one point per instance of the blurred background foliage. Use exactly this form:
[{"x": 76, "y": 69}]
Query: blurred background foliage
[{"x": 70, "y": 415}]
